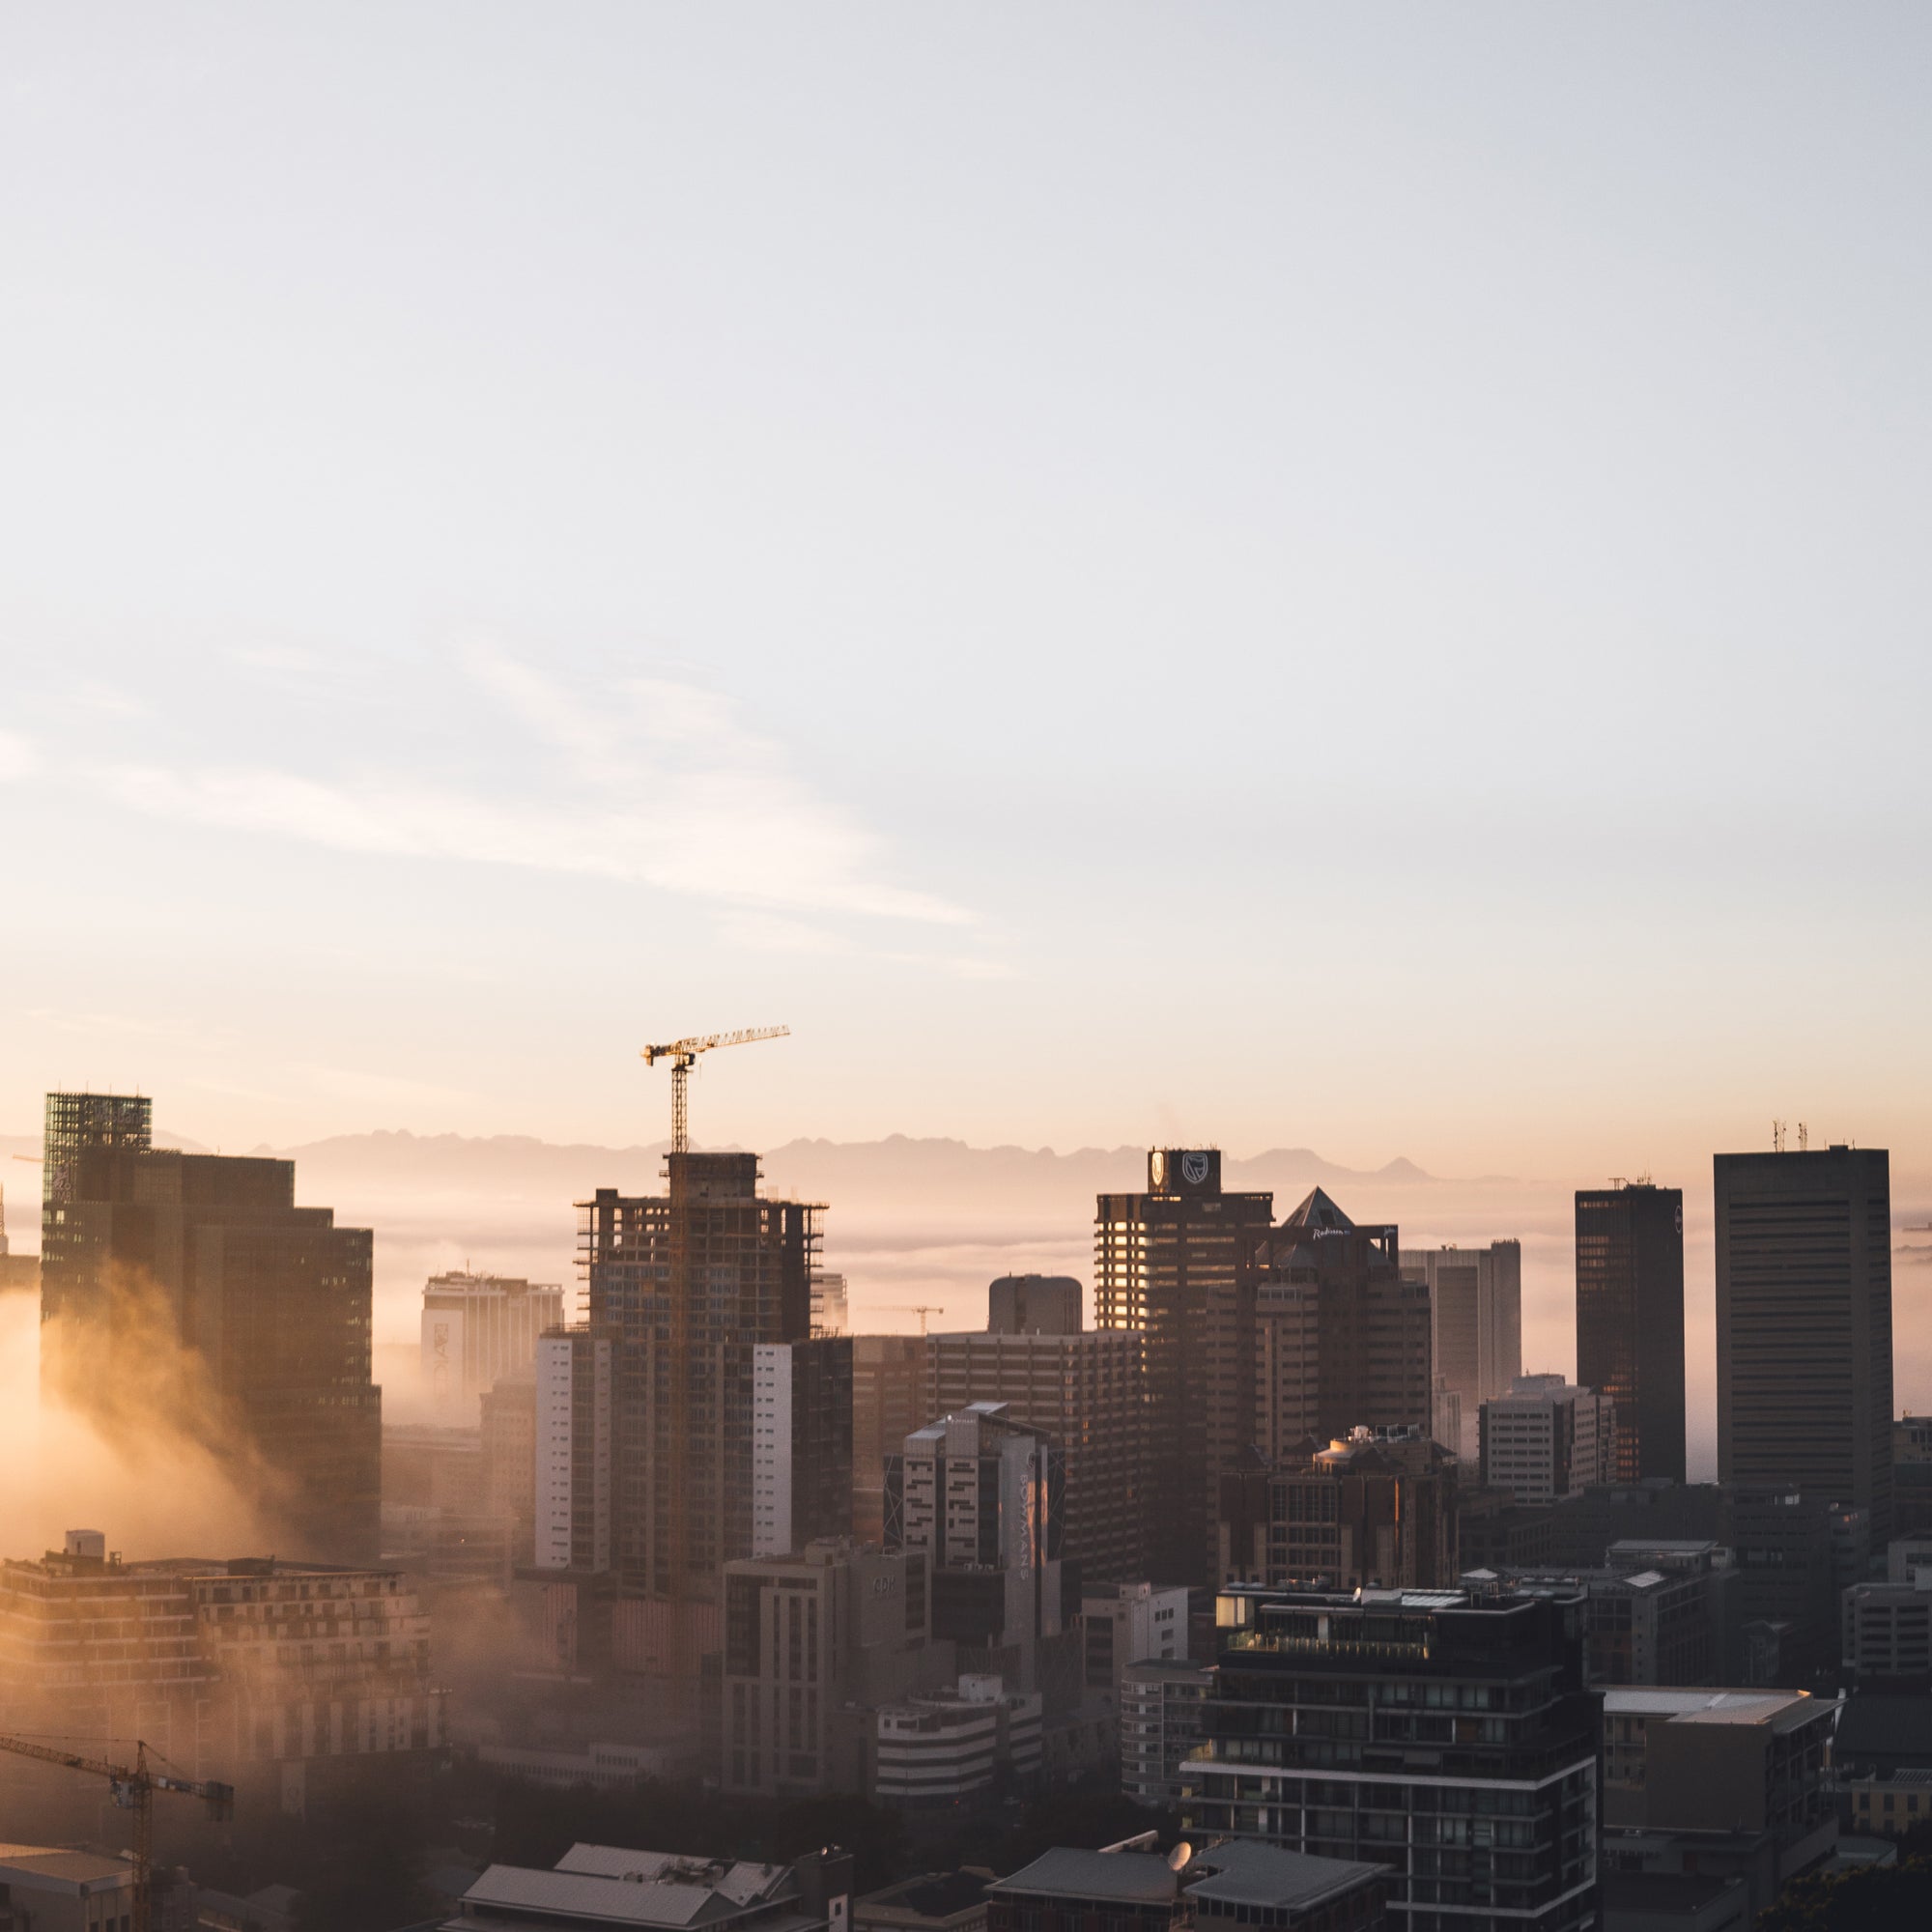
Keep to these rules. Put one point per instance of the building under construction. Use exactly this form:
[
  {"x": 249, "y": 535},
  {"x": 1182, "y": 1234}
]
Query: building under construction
[
  {"x": 686, "y": 1284},
  {"x": 188, "y": 1292}
]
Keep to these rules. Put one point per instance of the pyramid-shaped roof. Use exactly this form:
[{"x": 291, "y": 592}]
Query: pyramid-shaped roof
[{"x": 1318, "y": 1211}]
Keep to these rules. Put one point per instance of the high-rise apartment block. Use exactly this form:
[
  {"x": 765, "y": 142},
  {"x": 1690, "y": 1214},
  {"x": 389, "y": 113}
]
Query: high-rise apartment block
[
  {"x": 982, "y": 1497},
  {"x": 1034, "y": 1304},
  {"x": 576, "y": 1477},
  {"x": 1170, "y": 1262},
  {"x": 1085, "y": 1390},
  {"x": 199, "y": 1275},
  {"x": 1341, "y": 1338},
  {"x": 890, "y": 1400},
  {"x": 1475, "y": 1301},
  {"x": 1448, "y": 1736},
  {"x": 1629, "y": 1320},
  {"x": 1805, "y": 1324},
  {"x": 801, "y": 1443},
  {"x": 476, "y": 1327},
  {"x": 686, "y": 1283},
  {"x": 1548, "y": 1439}
]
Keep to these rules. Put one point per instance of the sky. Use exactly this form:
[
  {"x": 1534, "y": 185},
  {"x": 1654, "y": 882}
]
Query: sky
[{"x": 1281, "y": 575}]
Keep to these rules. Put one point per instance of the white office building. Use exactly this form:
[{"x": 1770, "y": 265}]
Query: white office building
[
  {"x": 574, "y": 1464},
  {"x": 946, "y": 1745},
  {"x": 1130, "y": 1623},
  {"x": 476, "y": 1327},
  {"x": 1548, "y": 1439}
]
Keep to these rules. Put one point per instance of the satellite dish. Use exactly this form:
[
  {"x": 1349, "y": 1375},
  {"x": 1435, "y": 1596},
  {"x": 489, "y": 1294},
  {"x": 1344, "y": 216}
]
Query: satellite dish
[{"x": 1177, "y": 1859}]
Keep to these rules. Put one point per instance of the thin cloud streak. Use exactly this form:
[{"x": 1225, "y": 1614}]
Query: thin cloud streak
[{"x": 662, "y": 787}]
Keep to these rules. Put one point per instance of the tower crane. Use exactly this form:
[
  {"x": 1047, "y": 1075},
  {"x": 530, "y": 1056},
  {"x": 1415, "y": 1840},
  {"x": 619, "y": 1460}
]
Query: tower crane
[
  {"x": 920, "y": 1308},
  {"x": 133, "y": 1787},
  {"x": 682, "y": 1053}
]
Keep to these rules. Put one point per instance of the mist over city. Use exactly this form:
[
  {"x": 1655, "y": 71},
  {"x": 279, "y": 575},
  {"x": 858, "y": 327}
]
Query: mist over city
[{"x": 963, "y": 970}]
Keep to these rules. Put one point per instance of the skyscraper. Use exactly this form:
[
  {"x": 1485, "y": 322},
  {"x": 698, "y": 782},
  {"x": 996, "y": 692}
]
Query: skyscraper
[
  {"x": 1629, "y": 1320},
  {"x": 197, "y": 1277},
  {"x": 686, "y": 1283},
  {"x": 1341, "y": 1338},
  {"x": 1475, "y": 1303},
  {"x": 1805, "y": 1324},
  {"x": 1168, "y": 1263}
]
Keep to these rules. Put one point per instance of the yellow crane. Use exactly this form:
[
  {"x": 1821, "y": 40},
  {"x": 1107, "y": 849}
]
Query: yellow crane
[
  {"x": 682, "y": 1053},
  {"x": 133, "y": 1787},
  {"x": 920, "y": 1308}
]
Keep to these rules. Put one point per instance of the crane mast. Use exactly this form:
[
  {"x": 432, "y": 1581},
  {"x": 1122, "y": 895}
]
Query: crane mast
[
  {"x": 683, "y": 1055},
  {"x": 133, "y": 1787}
]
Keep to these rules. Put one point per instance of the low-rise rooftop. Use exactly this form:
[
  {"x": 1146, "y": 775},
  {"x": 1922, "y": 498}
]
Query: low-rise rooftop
[
  {"x": 1783, "y": 1710},
  {"x": 1235, "y": 1874},
  {"x": 69, "y": 1866}
]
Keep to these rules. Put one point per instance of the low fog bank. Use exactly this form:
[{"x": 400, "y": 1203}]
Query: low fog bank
[
  {"x": 151, "y": 1466},
  {"x": 930, "y": 1222}
]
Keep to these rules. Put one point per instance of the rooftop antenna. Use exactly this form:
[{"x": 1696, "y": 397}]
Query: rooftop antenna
[
  {"x": 1777, "y": 1136},
  {"x": 682, "y": 1054},
  {"x": 1803, "y": 1136}
]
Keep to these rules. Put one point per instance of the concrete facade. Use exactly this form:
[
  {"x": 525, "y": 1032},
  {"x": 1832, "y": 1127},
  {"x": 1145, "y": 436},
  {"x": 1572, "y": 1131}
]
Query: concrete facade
[
  {"x": 1547, "y": 1440},
  {"x": 1476, "y": 1304}
]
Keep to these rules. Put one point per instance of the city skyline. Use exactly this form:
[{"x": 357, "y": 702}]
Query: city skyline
[
  {"x": 1273, "y": 656},
  {"x": 914, "y": 1231}
]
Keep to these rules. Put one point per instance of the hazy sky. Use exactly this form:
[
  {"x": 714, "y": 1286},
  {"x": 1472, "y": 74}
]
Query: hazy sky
[{"x": 1342, "y": 576}]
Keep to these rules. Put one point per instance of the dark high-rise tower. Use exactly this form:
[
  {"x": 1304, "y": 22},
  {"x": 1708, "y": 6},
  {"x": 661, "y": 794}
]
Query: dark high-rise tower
[
  {"x": 1629, "y": 1320},
  {"x": 243, "y": 1317},
  {"x": 1170, "y": 1262},
  {"x": 1343, "y": 1336},
  {"x": 688, "y": 1282},
  {"x": 1805, "y": 1324}
]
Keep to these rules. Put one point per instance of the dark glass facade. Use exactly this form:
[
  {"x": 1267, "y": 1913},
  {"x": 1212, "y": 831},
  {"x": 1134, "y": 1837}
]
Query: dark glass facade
[
  {"x": 243, "y": 1318},
  {"x": 1448, "y": 1738},
  {"x": 1168, "y": 1263},
  {"x": 1630, "y": 1321},
  {"x": 1804, "y": 1326}
]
